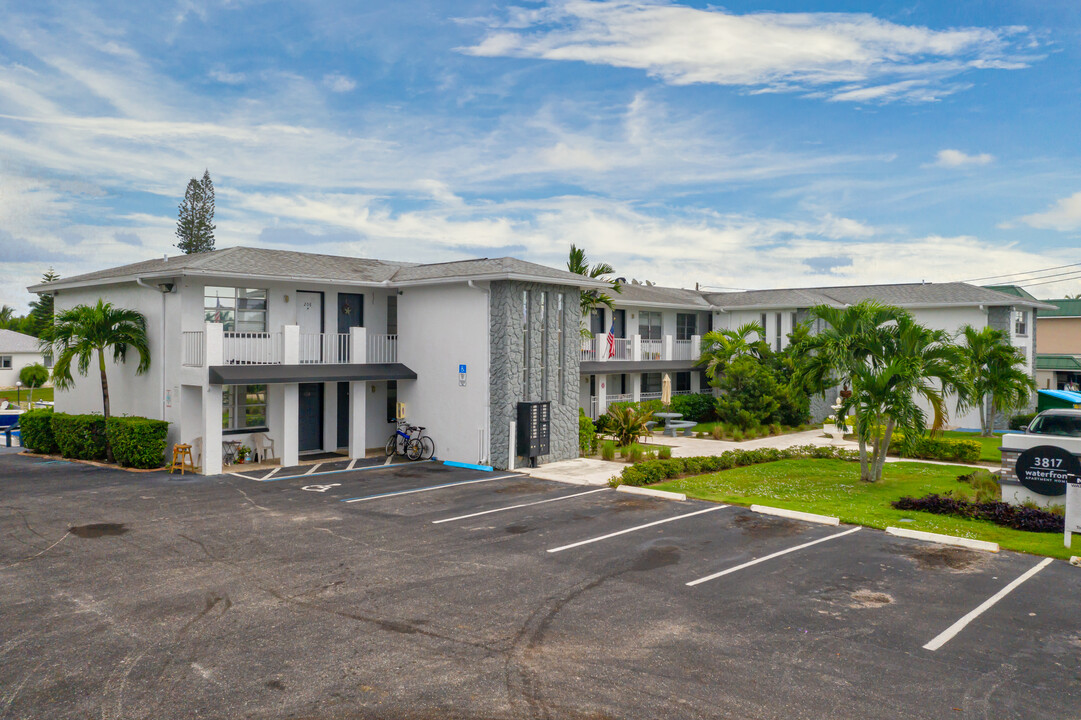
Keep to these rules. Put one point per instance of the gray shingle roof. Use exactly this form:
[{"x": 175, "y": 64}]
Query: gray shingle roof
[
  {"x": 903, "y": 295},
  {"x": 13, "y": 342},
  {"x": 292, "y": 264},
  {"x": 632, "y": 294}
]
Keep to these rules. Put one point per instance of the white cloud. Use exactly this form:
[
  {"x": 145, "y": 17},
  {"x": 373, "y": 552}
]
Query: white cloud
[
  {"x": 957, "y": 158},
  {"x": 872, "y": 60},
  {"x": 228, "y": 78},
  {"x": 1064, "y": 215},
  {"x": 336, "y": 82}
]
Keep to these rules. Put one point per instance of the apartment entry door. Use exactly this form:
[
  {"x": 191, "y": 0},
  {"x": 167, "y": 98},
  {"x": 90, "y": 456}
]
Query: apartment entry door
[
  {"x": 310, "y": 417},
  {"x": 350, "y": 315},
  {"x": 310, "y": 320}
]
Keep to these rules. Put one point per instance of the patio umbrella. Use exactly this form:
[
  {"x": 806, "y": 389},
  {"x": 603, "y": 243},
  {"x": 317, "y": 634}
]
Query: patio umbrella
[{"x": 666, "y": 390}]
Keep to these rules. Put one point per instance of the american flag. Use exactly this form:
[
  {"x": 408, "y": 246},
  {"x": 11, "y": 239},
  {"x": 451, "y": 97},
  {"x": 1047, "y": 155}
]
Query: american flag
[{"x": 612, "y": 341}]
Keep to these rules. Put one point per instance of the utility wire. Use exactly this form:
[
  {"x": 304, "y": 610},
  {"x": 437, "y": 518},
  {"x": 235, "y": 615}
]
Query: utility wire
[
  {"x": 1030, "y": 272},
  {"x": 1051, "y": 282},
  {"x": 1025, "y": 281}
]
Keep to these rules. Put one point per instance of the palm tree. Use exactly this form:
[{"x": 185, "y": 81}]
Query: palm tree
[
  {"x": 7, "y": 314},
  {"x": 994, "y": 369},
  {"x": 577, "y": 264},
  {"x": 720, "y": 347},
  {"x": 82, "y": 331}
]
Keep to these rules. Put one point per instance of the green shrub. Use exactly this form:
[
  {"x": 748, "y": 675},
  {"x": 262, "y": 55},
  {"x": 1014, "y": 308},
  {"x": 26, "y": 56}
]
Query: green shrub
[
  {"x": 931, "y": 448},
  {"x": 629, "y": 423},
  {"x": 775, "y": 429},
  {"x": 36, "y": 431},
  {"x": 717, "y": 431},
  {"x": 81, "y": 437},
  {"x": 653, "y": 471},
  {"x": 608, "y": 450},
  {"x": 985, "y": 487},
  {"x": 634, "y": 453},
  {"x": 136, "y": 441},
  {"x": 587, "y": 435},
  {"x": 1021, "y": 421},
  {"x": 603, "y": 424},
  {"x": 698, "y": 407},
  {"x": 737, "y": 435},
  {"x": 664, "y": 452}
]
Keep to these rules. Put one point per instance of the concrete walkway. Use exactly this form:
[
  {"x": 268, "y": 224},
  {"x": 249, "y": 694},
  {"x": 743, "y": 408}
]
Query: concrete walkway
[{"x": 589, "y": 471}]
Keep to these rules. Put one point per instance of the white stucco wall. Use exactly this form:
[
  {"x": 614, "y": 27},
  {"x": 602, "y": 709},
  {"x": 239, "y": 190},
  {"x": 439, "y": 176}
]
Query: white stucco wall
[
  {"x": 8, "y": 377},
  {"x": 442, "y": 327}
]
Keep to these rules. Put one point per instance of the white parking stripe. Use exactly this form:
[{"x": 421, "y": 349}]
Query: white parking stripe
[
  {"x": 352, "y": 463},
  {"x": 426, "y": 489},
  {"x": 714, "y": 576},
  {"x": 271, "y": 473},
  {"x": 314, "y": 468},
  {"x": 946, "y": 635},
  {"x": 632, "y": 529},
  {"x": 515, "y": 507}
]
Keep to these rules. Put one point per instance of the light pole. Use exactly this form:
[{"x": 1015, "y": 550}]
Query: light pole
[{"x": 18, "y": 390}]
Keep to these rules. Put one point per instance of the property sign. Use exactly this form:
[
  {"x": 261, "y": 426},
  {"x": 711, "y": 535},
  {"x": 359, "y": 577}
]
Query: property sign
[
  {"x": 1047, "y": 469},
  {"x": 1073, "y": 509}
]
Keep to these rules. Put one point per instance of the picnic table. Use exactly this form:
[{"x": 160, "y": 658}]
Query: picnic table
[{"x": 673, "y": 424}]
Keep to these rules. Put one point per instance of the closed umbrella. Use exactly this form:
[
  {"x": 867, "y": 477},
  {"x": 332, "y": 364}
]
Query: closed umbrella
[{"x": 666, "y": 390}]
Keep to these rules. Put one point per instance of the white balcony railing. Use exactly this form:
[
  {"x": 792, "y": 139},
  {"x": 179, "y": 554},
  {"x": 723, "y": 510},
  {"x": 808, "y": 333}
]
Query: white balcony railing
[
  {"x": 596, "y": 349},
  {"x": 653, "y": 349},
  {"x": 382, "y": 348},
  {"x": 683, "y": 350},
  {"x": 324, "y": 348},
  {"x": 252, "y": 348},
  {"x": 194, "y": 348}
]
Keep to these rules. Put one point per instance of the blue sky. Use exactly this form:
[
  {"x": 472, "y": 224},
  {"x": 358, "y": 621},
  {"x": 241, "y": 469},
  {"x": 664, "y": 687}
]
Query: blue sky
[{"x": 745, "y": 145}]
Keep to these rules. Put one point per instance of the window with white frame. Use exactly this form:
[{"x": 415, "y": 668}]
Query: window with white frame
[
  {"x": 651, "y": 382},
  {"x": 5, "y": 362},
  {"x": 778, "y": 337},
  {"x": 237, "y": 309},
  {"x": 686, "y": 325},
  {"x": 762, "y": 322},
  {"x": 243, "y": 407},
  {"x": 1020, "y": 323},
  {"x": 649, "y": 325}
]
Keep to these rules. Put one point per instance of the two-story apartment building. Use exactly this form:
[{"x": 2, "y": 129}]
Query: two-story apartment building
[
  {"x": 1058, "y": 335},
  {"x": 317, "y": 352},
  {"x": 658, "y": 330}
]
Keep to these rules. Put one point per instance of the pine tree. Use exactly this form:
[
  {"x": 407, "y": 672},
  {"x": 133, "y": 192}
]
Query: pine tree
[
  {"x": 41, "y": 310},
  {"x": 195, "y": 219}
]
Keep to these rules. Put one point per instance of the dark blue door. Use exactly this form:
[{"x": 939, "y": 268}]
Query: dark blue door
[{"x": 310, "y": 421}]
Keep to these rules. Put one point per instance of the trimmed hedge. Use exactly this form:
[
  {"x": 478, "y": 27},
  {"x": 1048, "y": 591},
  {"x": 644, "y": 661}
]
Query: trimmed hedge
[
  {"x": 697, "y": 406},
  {"x": 81, "y": 437},
  {"x": 587, "y": 435},
  {"x": 929, "y": 448},
  {"x": 654, "y": 471},
  {"x": 1021, "y": 421},
  {"x": 137, "y": 442},
  {"x": 36, "y": 432},
  {"x": 1000, "y": 513}
]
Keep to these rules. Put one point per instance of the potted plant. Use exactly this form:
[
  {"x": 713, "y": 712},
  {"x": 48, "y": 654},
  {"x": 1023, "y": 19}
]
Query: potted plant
[{"x": 242, "y": 454}]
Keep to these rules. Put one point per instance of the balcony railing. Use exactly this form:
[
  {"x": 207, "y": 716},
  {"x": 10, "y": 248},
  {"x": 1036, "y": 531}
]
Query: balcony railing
[
  {"x": 382, "y": 348},
  {"x": 596, "y": 349},
  {"x": 324, "y": 348},
  {"x": 683, "y": 350},
  {"x": 194, "y": 348},
  {"x": 252, "y": 348}
]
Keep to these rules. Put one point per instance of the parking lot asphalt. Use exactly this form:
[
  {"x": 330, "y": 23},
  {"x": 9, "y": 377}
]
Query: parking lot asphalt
[{"x": 425, "y": 591}]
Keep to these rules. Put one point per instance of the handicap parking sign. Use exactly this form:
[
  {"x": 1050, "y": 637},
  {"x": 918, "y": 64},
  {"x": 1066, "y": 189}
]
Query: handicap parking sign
[{"x": 461, "y": 368}]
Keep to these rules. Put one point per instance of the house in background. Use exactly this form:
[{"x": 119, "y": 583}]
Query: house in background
[
  {"x": 16, "y": 352},
  {"x": 317, "y": 352},
  {"x": 1058, "y": 335},
  {"x": 658, "y": 330}
]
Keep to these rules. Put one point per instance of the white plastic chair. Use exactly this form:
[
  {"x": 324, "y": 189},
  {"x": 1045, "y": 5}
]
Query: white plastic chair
[
  {"x": 260, "y": 443},
  {"x": 197, "y": 451}
]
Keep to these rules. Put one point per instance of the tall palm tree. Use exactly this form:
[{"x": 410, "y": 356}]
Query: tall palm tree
[
  {"x": 7, "y": 313},
  {"x": 720, "y": 347},
  {"x": 85, "y": 330},
  {"x": 994, "y": 369},
  {"x": 577, "y": 264}
]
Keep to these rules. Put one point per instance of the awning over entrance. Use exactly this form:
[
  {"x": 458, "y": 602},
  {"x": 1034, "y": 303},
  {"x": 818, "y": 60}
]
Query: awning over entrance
[{"x": 270, "y": 374}]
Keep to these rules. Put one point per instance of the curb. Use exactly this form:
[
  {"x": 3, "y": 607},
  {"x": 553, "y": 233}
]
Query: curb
[
  {"x": 944, "y": 539},
  {"x": 664, "y": 494},
  {"x": 796, "y": 515}
]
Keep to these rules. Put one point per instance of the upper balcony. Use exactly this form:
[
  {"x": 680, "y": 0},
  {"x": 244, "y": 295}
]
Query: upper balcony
[
  {"x": 228, "y": 354},
  {"x": 599, "y": 349}
]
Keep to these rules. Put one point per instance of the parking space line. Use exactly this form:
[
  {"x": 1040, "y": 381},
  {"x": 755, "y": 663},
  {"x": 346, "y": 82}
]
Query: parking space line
[
  {"x": 714, "y": 576},
  {"x": 270, "y": 474},
  {"x": 352, "y": 463},
  {"x": 946, "y": 635},
  {"x": 515, "y": 507},
  {"x": 632, "y": 529},
  {"x": 332, "y": 472},
  {"x": 314, "y": 468},
  {"x": 426, "y": 489}
]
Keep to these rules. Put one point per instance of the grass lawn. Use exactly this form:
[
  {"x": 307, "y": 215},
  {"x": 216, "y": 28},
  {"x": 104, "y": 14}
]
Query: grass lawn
[
  {"x": 833, "y": 487},
  {"x": 988, "y": 445},
  {"x": 45, "y": 394}
]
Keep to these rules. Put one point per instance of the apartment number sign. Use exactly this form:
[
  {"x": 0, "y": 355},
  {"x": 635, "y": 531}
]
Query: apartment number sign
[{"x": 1047, "y": 469}]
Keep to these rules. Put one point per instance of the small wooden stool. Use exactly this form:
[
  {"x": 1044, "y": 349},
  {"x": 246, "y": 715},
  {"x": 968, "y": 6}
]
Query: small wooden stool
[{"x": 182, "y": 458}]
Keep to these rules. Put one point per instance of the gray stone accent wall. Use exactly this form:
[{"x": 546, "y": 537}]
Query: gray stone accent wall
[{"x": 507, "y": 361}]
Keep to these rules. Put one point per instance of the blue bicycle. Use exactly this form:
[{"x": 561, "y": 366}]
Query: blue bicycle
[{"x": 407, "y": 440}]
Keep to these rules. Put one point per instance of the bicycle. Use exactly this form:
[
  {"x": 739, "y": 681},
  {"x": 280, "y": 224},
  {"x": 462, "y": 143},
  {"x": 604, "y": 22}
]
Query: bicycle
[{"x": 411, "y": 444}]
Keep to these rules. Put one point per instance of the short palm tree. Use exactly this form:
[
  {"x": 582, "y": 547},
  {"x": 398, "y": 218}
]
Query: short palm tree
[
  {"x": 32, "y": 377},
  {"x": 629, "y": 422},
  {"x": 577, "y": 264},
  {"x": 995, "y": 373},
  {"x": 80, "y": 333},
  {"x": 720, "y": 347}
]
